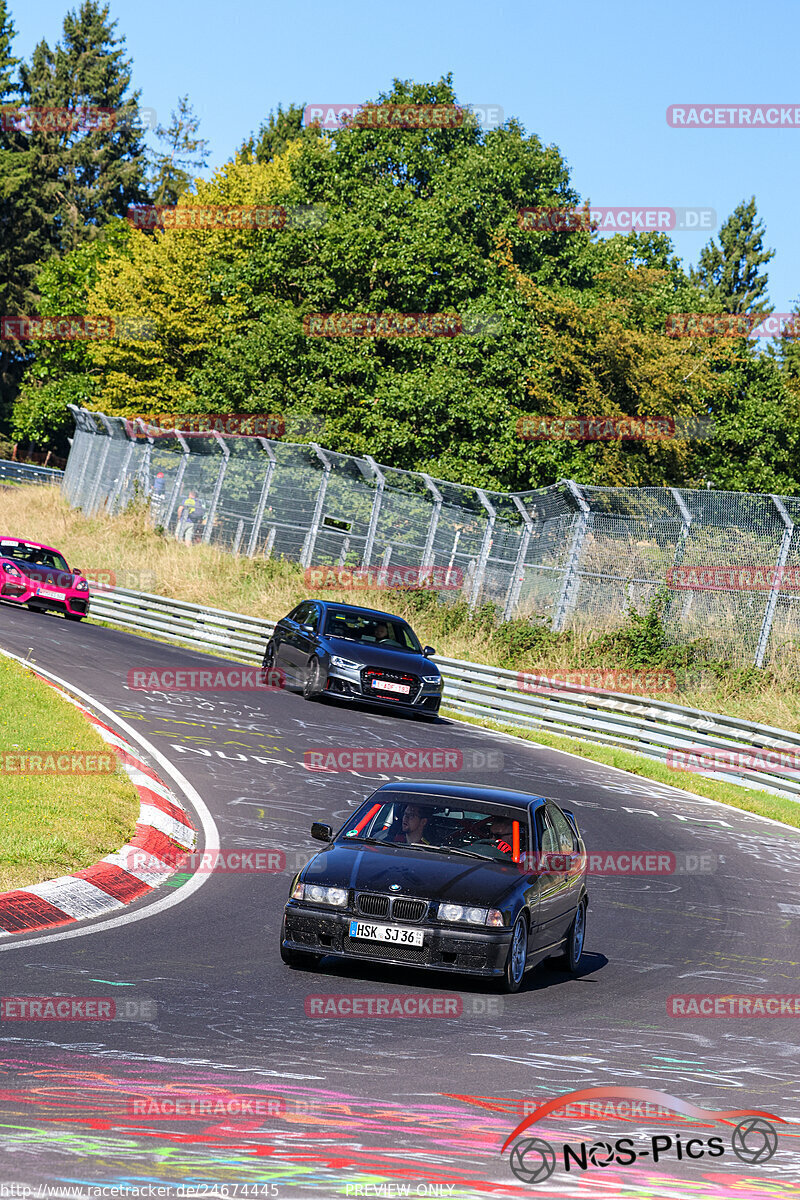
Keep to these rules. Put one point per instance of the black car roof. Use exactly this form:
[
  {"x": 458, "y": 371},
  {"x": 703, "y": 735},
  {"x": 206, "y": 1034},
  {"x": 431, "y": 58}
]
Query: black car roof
[
  {"x": 354, "y": 608},
  {"x": 465, "y": 791}
]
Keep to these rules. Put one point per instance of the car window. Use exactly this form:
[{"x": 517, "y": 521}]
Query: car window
[
  {"x": 563, "y": 830},
  {"x": 303, "y": 614},
  {"x": 490, "y": 831},
  {"x": 548, "y": 841},
  {"x": 372, "y": 629},
  {"x": 312, "y": 617},
  {"x": 33, "y": 555}
]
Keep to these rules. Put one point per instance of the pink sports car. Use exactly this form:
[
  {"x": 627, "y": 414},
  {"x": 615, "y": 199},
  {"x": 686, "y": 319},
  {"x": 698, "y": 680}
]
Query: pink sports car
[{"x": 39, "y": 577}]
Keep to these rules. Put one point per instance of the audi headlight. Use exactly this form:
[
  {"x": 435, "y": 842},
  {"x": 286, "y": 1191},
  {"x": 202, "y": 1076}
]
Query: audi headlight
[
  {"x": 459, "y": 912},
  {"x": 320, "y": 895},
  {"x": 345, "y": 662},
  {"x": 431, "y": 678}
]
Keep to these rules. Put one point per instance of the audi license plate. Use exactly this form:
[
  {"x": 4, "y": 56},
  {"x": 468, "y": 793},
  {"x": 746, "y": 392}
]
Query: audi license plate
[
  {"x": 385, "y": 685},
  {"x": 50, "y": 595},
  {"x": 386, "y": 933}
]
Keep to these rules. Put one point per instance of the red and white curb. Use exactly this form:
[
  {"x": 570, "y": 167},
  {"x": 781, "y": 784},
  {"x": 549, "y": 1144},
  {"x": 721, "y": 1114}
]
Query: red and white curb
[{"x": 164, "y": 831}]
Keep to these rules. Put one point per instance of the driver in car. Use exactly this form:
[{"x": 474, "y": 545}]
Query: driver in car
[
  {"x": 413, "y": 825},
  {"x": 382, "y": 632}
]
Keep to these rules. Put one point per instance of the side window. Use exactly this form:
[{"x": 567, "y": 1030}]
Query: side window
[
  {"x": 312, "y": 617},
  {"x": 294, "y": 615},
  {"x": 304, "y": 614},
  {"x": 564, "y": 835},
  {"x": 548, "y": 842}
]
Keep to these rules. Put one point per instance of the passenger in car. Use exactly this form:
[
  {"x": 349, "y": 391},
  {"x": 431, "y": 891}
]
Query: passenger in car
[{"x": 412, "y": 826}]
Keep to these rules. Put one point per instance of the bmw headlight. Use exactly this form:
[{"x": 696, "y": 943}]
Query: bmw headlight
[
  {"x": 320, "y": 895},
  {"x": 472, "y": 916},
  {"x": 347, "y": 663}
]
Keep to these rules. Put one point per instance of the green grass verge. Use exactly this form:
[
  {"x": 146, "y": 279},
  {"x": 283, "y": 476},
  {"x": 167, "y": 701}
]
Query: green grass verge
[
  {"x": 52, "y": 825},
  {"x": 761, "y": 804}
]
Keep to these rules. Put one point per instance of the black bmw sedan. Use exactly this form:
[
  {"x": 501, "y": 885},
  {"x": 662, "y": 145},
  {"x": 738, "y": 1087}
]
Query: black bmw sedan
[
  {"x": 356, "y": 654},
  {"x": 451, "y": 877}
]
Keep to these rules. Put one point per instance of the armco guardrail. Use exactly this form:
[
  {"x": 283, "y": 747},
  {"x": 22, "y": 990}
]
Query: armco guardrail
[
  {"x": 28, "y": 473},
  {"x": 638, "y": 723}
]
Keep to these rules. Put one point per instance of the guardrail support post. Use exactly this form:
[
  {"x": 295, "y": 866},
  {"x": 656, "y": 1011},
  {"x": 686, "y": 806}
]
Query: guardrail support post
[
  {"x": 380, "y": 484},
  {"x": 176, "y": 487},
  {"x": 311, "y": 539},
  {"x": 262, "y": 499},
  {"x": 515, "y": 586},
  {"x": 486, "y": 545},
  {"x": 569, "y": 588},
  {"x": 772, "y": 602},
  {"x": 427, "y": 553},
  {"x": 223, "y": 466}
]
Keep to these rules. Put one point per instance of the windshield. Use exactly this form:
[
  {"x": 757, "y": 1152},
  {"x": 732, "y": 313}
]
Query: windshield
[
  {"x": 371, "y": 629},
  {"x": 33, "y": 555},
  {"x": 393, "y": 819}
]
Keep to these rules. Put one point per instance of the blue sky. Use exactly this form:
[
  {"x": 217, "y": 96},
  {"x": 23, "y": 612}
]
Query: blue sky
[{"x": 595, "y": 78}]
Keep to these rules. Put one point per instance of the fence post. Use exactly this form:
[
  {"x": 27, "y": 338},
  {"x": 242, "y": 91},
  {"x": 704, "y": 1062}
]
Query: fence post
[
  {"x": 686, "y": 522},
  {"x": 380, "y": 484},
  {"x": 427, "y": 553},
  {"x": 176, "y": 487},
  {"x": 77, "y": 492},
  {"x": 223, "y": 466},
  {"x": 772, "y": 602},
  {"x": 515, "y": 586},
  {"x": 569, "y": 587},
  {"x": 311, "y": 539},
  {"x": 486, "y": 545},
  {"x": 262, "y": 499},
  {"x": 89, "y": 510}
]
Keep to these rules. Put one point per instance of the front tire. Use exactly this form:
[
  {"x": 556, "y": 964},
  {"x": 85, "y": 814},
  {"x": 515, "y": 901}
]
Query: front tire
[
  {"x": 570, "y": 960},
  {"x": 269, "y": 657},
  {"x": 517, "y": 956},
  {"x": 312, "y": 680}
]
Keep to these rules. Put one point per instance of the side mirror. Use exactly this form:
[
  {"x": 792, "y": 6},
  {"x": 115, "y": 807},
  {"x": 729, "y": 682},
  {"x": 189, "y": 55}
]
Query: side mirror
[
  {"x": 428, "y": 651},
  {"x": 321, "y": 833},
  {"x": 77, "y": 571}
]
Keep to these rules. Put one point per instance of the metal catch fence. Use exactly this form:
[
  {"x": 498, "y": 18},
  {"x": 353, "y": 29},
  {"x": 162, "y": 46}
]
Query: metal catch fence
[{"x": 574, "y": 555}]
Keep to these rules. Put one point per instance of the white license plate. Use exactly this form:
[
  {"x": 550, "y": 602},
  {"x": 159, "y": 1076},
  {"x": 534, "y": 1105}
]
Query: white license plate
[
  {"x": 385, "y": 685},
  {"x": 50, "y": 595},
  {"x": 386, "y": 933}
]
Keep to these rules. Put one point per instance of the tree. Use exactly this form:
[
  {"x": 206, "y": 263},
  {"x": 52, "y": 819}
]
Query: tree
[
  {"x": 169, "y": 178},
  {"x": 274, "y": 136},
  {"x": 729, "y": 272},
  {"x": 95, "y": 167}
]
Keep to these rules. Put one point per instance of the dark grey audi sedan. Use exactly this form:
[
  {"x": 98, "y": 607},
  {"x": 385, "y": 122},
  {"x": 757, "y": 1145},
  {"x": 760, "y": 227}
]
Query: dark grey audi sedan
[{"x": 355, "y": 654}]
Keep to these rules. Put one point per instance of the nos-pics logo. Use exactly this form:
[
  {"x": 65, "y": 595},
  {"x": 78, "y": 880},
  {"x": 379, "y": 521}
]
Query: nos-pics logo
[{"x": 533, "y": 1160}]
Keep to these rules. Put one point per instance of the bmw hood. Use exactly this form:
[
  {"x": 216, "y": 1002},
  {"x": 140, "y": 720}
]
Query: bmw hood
[{"x": 421, "y": 873}]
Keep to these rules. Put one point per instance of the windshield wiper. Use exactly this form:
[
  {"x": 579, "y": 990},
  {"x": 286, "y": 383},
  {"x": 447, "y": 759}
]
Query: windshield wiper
[
  {"x": 371, "y": 841},
  {"x": 449, "y": 850}
]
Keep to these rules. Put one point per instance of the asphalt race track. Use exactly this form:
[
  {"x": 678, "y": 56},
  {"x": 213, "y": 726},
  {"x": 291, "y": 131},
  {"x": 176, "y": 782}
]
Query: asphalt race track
[{"x": 360, "y": 1104}]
